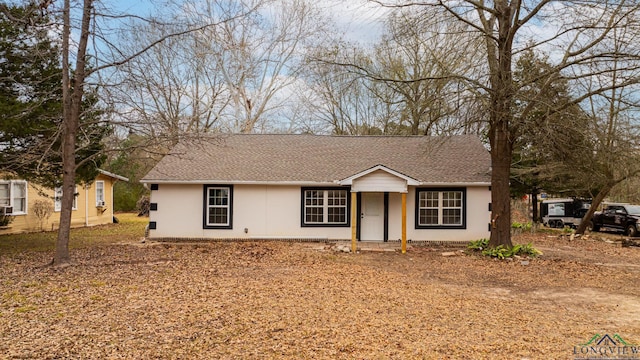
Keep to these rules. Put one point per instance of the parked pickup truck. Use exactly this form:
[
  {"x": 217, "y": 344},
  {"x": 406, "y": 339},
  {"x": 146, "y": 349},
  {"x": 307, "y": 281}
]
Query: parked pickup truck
[{"x": 619, "y": 217}]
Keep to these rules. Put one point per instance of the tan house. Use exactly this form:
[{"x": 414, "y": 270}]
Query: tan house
[
  {"x": 93, "y": 204},
  {"x": 313, "y": 187}
]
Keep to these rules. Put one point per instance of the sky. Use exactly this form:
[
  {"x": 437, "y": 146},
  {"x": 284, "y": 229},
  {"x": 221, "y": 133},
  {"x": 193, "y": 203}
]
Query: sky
[{"x": 359, "y": 20}]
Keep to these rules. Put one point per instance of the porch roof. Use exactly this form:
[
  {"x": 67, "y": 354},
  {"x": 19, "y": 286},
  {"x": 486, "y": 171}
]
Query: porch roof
[{"x": 350, "y": 179}]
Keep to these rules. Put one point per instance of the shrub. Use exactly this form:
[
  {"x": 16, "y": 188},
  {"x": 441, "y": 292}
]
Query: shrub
[
  {"x": 478, "y": 244},
  {"x": 5, "y": 220},
  {"x": 42, "y": 209},
  {"x": 501, "y": 251},
  {"x": 521, "y": 227}
]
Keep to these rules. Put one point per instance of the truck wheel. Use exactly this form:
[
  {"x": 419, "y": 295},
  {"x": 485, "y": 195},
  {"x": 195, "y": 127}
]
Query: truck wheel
[
  {"x": 592, "y": 227},
  {"x": 631, "y": 230}
]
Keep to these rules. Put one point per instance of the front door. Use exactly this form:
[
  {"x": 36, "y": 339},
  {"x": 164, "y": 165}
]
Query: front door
[{"x": 372, "y": 217}]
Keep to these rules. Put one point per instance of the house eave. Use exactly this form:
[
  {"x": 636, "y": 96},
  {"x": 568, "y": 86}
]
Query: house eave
[
  {"x": 112, "y": 175},
  {"x": 299, "y": 183},
  {"x": 239, "y": 182},
  {"x": 461, "y": 184}
]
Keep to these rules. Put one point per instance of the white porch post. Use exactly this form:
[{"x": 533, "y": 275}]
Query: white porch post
[
  {"x": 354, "y": 215},
  {"x": 404, "y": 222}
]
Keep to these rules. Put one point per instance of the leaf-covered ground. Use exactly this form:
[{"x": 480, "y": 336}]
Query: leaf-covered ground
[{"x": 300, "y": 301}]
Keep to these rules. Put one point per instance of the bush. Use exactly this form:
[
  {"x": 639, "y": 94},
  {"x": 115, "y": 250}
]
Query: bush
[
  {"x": 526, "y": 226},
  {"x": 5, "y": 220},
  {"x": 478, "y": 244},
  {"x": 501, "y": 251},
  {"x": 42, "y": 209}
]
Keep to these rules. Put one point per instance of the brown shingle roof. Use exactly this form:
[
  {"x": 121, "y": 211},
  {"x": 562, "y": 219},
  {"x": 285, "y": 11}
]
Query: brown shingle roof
[{"x": 323, "y": 159}]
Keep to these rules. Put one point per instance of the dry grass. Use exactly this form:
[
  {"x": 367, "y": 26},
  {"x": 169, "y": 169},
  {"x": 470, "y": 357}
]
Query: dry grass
[
  {"x": 300, "y": 301},
  {"x": 130, "y": 228}
]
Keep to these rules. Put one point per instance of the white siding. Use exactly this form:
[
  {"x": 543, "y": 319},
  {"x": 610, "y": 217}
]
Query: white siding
[
  {"x": 265, "y": 211},
  {"x": 477, "y": 211},
  {"x": 179, "y": 211},
  {"x": 379, "y": 181},
  {"x": 275, "y": 211}
]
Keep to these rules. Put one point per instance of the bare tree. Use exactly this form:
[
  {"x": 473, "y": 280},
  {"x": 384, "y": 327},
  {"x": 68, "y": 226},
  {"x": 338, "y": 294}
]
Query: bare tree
[
  {"x": 415, "y": 60},
  {"x": 342, "y": 101},
  {"x": 615, "y": 154},
  {"x": 403, "y": 86},
  {"x": 578, "y": 35},
  {"x": 258, "y": 57},
  {"x": 174, "y": 88},
  {"x": 80, "y": 67}
]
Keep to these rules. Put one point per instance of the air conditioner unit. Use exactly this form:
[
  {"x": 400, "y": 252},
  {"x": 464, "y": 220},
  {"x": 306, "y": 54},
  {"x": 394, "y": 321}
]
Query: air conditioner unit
[
  {"x": 6, "y": 210},
  {"x": 100, "y": 203}
]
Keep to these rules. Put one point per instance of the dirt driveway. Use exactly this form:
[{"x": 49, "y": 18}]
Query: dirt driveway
[{"x": 301, "y": 301}]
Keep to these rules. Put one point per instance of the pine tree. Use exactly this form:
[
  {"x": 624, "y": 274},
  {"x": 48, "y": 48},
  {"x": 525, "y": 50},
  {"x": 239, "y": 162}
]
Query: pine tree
[{"x": 31, "y": 103}]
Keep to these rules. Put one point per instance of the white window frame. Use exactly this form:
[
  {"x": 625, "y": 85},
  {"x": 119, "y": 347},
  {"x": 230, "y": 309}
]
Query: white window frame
[
  {"x": 12, "y": 198},
  {"x": 228, "y": 207},
  {"x": 325, "y": 206},
  {"x": 440, "y": 208},
  {"x": 100, "y": 193},
  {"x": 57, "y": 198}
]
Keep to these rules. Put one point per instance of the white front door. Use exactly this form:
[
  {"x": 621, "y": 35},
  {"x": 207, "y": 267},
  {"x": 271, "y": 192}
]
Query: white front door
[{"x": 372, "y": 217}]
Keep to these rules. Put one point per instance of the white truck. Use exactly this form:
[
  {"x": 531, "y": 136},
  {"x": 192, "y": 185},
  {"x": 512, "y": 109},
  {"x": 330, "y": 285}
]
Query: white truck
[{"x": 558, "y": 213}]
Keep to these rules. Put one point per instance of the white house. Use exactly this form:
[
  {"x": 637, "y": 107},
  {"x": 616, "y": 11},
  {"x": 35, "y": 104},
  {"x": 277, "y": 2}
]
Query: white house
[{"x": 313, "y": 187}]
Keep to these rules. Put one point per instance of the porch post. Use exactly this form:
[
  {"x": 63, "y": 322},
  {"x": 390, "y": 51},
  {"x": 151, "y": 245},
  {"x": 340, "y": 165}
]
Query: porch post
[
  {"x": 354, "y": 209},
  {"x": 404, "y": 223}
]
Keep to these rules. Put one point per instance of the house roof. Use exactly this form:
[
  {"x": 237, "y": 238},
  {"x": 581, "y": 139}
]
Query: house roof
[
  {"x": 110, "y": 174},
  {"x": 294, "y": 158}
]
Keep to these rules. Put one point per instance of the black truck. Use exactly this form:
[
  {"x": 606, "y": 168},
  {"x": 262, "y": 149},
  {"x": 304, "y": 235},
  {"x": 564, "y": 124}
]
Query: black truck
[{"x": 617, "y": 217}]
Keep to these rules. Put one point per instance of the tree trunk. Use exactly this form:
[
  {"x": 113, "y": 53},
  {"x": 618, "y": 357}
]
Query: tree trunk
[
  {"x": 61, "y": 257},
  {"x": 534, "y": 206},
  {"x": 500, "y": 119},
  {"x": 592, "y": 209},
  {"x": 72, "y": 104},
  {"x": 500, "y": 194}
]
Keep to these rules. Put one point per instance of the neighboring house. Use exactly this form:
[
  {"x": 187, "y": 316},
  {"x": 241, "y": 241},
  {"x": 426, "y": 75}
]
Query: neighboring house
[
  {"x": 306, "y": 187},
  {"x": 92, "y": 205}
]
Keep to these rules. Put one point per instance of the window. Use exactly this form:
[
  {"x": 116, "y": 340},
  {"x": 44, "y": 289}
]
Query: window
[
  {"x": 5, "y": 194},
  {"x": 57, "y": 199},
  {"x": 100, "y": 193},
  {"x": 440, "y": 208},
  {"x": 325, "y": 207},
  {"x": 218, "y": 202},
  {"x": 14, "y": 193}
]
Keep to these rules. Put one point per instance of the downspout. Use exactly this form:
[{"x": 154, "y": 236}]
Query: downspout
[
  {"x": 113, "y": 182},
  {"x": 86, "y": 205}
]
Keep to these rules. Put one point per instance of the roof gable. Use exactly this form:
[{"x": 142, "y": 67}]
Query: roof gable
[
  {"x": 350, "y": 179},
  {"x": 321, "y": 159}
]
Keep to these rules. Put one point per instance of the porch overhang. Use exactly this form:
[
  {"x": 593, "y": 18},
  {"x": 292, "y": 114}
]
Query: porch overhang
[{"x": 379, "y": 179}]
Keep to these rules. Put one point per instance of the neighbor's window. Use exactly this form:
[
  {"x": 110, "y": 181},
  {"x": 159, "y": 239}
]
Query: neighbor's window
[
  {"x": 100, "y": 193},
  {"x": 218, "y": 212},
  {"x": 440, "y": 208},
  {"x": 57, "y": 199},
  {"x": 14, "y": 193},
  {"x": 5, "y": 194},
  {"x": 325, "y": 207}
]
